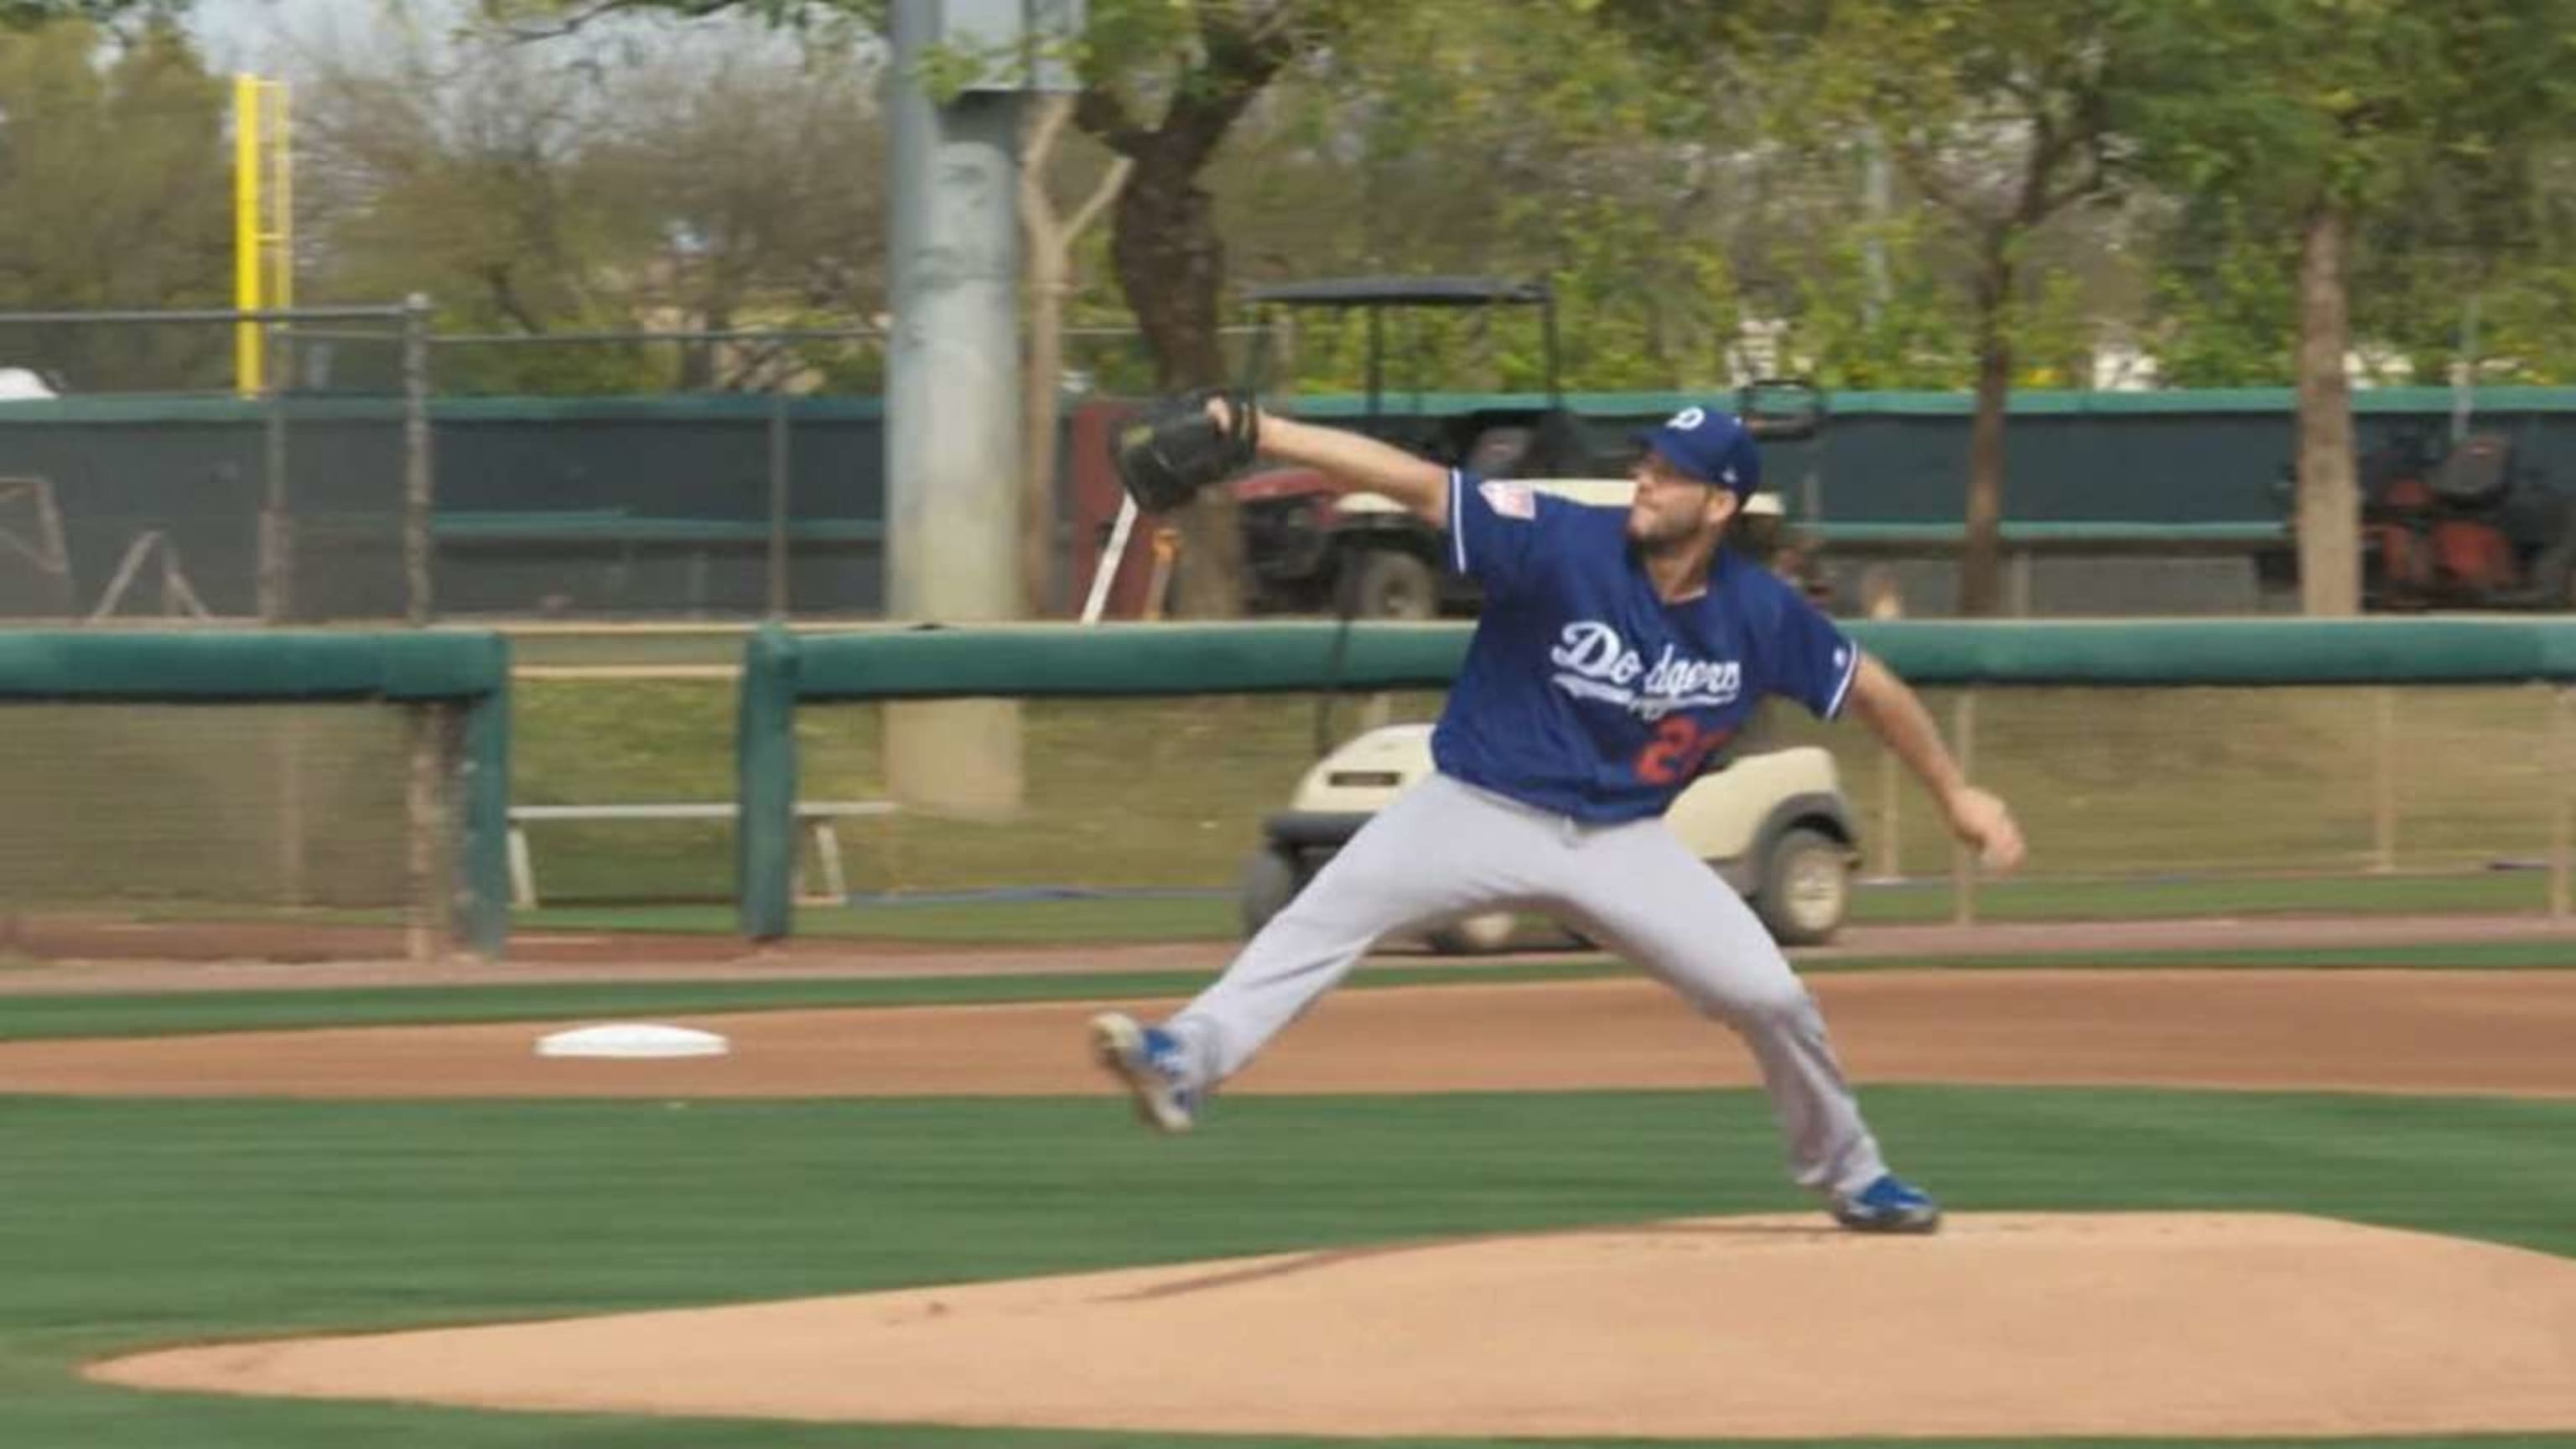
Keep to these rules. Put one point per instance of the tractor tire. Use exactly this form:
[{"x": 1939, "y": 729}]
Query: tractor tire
[
  {"x": 1474, "y": 935},
  {"x": 1386, "y": 584},
  {"x": 1271, "y": 879},
  {"x": 1806, "y": 887}
]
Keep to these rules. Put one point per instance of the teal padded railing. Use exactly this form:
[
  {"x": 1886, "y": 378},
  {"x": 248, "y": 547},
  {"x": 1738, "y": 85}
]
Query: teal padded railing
[
  {"x": 467, "y": 670},
  {"x": 782, "y": 670}
]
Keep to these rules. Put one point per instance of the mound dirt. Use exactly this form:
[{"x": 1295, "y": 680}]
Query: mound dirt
[{"x": 2121, "y": 1324}]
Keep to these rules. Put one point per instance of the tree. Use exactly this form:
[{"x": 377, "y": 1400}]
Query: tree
[
  {"x": 2328, "y": 115},
  {"x": 535, "y": 191},
  {"x": 34, "y": 14},
  {"x": 1163, "y": 87},
  {"x": 1051, "y": 237},
  {"x": 115, "y": 191},
  {"x": 1163, "y": 83},
  {"x": 1998, "y": 114}
]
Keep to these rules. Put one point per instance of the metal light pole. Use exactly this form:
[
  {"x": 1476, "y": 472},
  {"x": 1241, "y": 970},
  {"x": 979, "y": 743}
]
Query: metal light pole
[{"x": 953, "y": 447}]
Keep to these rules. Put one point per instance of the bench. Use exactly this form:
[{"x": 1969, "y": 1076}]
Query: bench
[{"x": 818, "y": 818}]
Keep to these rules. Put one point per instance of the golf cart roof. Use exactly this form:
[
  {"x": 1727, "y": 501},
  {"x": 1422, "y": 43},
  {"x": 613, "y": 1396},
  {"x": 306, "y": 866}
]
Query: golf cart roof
[{"x": 1400, "y": 292}]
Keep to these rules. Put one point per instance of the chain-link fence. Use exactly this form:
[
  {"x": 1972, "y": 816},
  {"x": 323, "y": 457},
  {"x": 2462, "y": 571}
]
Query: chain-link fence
[
  {"x": 139, "y": 479},
  {"x": 377, "y": 470}
]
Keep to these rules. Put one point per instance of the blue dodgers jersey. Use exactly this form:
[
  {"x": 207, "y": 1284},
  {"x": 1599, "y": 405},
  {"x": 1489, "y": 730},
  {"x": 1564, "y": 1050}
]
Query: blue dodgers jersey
[{"x": 1584, "y": 693}]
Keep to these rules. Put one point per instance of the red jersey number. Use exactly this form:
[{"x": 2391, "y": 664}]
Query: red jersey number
[{"x": 1677, "y": 751}]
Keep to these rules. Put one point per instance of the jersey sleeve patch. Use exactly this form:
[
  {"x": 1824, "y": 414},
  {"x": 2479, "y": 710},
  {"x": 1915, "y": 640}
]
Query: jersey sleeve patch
[{"x": 1510, "y": 500}]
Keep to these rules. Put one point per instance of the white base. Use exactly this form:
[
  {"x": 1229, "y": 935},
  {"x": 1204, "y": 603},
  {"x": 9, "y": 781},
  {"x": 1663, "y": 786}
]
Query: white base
[{"x": 633, "y": 1039}]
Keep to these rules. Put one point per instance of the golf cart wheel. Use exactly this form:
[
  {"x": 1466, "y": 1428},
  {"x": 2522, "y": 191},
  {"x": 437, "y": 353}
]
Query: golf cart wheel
[
  {"x": 1474, "y": 935},
  {"x": 1806, "y": 887},
  {"x": 1270, "y": 881},
  {"x": 1386, "y": 584}
]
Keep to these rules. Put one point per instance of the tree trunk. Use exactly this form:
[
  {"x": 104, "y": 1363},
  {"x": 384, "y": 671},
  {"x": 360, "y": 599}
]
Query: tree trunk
[
  {"x": 1049, "y": 270},
  {"x": 1047, "y": 287},
  {"x": 1171, "y": 267},
  {"x": 2329, "y": 521},
  {"x": 1981, "y": 552}
]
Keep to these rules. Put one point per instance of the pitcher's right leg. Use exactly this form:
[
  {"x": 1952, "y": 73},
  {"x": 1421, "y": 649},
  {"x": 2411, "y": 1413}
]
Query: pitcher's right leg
[{"x": 1442, "y": 849}]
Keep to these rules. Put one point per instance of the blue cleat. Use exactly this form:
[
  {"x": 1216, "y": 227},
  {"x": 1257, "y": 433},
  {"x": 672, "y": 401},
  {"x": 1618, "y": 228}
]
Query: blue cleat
[
  {"x": 1889, "y": 1205},
  {"x": 1148, "y": 1060}
]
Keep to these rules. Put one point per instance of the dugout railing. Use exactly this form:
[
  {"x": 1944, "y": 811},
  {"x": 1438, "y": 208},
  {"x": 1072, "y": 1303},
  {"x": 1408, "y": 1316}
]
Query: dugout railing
[
  {"x": 2174, "y": 687},
  {"x": 174, "y": 781}
]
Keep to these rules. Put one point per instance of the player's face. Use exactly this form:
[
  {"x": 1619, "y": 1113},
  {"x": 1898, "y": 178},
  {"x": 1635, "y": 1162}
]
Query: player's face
[{"x": 1671, "y": 507}]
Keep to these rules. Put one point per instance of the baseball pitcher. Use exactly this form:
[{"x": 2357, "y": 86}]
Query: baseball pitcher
[{"x": 1615, "y": 653}]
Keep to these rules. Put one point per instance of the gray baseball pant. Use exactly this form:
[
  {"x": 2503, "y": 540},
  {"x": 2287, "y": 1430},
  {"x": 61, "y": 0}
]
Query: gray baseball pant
[{"x": 1445, "y": 849}]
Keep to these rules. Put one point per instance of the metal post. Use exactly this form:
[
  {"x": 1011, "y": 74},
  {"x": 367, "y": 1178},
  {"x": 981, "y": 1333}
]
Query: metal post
[
  {"x": 276, "y": 606},
  {"x": 419, "y": 496},
  {"x": 1890, "y": 856},
  {"x": 430, "y": 905},
  {"x": 778, "y": 503},
  {"x": 952, "y": 402},
  {"x": 276, "y": 539},
  {"x": 1963, "y": 861},
  {"x": 2383, "y": 781},
  {"x": 953, "y": 358},
  {"x": 2562, "y": 801},
  {"x": 426, "y": 904}
]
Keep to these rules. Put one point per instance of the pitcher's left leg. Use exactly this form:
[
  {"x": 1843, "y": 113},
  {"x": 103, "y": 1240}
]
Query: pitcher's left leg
[{"x": 1654, "y": 903}]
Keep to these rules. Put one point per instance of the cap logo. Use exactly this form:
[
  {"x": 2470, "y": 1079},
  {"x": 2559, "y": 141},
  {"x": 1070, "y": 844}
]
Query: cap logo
[{"x": 1688, "y": 419}]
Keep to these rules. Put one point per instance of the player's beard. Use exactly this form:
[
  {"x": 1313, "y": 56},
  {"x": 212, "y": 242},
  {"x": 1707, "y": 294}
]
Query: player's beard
[{"x": 1664, "y": 534}]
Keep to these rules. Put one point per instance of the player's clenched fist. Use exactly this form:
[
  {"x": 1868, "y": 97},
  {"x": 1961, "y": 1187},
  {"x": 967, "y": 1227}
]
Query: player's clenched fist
[{"x": 1980, "y": 819}]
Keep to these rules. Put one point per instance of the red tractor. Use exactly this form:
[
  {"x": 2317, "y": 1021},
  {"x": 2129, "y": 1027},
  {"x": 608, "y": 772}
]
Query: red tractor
[{"x": 2467, "y": 526}]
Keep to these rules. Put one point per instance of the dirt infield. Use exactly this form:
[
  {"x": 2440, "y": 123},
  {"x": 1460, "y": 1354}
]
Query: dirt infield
[{"x": 2390, "y": 1031}]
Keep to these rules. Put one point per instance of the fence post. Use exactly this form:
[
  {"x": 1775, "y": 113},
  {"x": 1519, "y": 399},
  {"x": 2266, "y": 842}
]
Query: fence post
[
  {"x": 778, "y": 551},
  {"x": 2383, "y": 780},
  {"x": 1890, "y": 788},
  {"x": 431, "y": 915},
  {"x": 276, "y": 542},
  {"x": 428, "y": 916},
  {"x": 276, "y": 603},
  {"x": 1963, "y": 861},
  {"x": 419, "y": 496},
  {"x": 483, "y": 885},
  {"x": 2562, "y": 802},
  {"x": 765, "y": 785}
]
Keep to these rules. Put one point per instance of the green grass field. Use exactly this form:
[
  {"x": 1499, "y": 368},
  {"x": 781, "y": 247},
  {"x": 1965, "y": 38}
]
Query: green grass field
[{"x": 357, "y": 1216}]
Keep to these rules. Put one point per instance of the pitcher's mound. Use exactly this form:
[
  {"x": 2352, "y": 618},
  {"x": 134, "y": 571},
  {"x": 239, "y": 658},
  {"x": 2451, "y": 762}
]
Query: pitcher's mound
[{"x": 2145, "y": 1324}]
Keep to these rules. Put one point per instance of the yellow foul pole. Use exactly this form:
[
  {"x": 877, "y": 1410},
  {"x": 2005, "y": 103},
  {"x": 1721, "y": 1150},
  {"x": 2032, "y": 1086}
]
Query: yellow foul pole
[{"x": 247, "y": 373}]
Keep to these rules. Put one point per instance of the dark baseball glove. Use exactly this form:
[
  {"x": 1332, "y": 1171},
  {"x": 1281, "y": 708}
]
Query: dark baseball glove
[{"x": 1171, "y": 448}]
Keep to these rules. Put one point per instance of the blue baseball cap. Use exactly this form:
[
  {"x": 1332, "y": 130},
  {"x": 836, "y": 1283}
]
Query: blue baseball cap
[{"x": 1710, "y": 446}]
